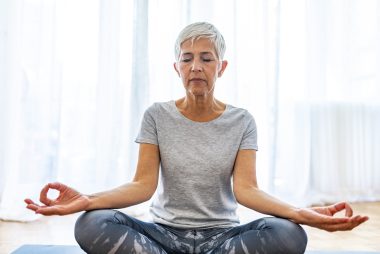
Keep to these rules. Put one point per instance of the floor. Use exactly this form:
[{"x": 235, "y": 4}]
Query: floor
[{"x": 59, "y": 230}]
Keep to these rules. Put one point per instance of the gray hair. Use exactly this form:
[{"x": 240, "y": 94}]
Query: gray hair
[{"x": 198, "y": 30}]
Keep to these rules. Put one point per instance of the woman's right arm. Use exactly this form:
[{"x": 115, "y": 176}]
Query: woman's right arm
[{"x": 139, "y": 190}]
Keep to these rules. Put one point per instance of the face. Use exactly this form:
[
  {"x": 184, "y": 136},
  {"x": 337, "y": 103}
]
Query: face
[{"x": 199, "y": 67}]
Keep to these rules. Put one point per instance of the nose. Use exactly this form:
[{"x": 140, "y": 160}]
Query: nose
[{"x": 196, "y": 66}]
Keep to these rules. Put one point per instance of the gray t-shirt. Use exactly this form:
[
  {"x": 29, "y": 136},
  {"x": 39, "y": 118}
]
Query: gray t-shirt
[{"x": 197, "y": 160}]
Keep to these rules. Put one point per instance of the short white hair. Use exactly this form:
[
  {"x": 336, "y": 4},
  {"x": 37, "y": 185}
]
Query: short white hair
[{"x": 198, "y": 30}]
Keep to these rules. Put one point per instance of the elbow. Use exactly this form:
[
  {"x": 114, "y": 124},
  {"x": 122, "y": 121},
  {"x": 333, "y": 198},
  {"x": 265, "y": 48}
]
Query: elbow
[
  {"x": 239, "y": 194},
  {"x": 244, "y": 193},
  {"x": 149, "y": 194},
  {"x": 146, "y": 191}
]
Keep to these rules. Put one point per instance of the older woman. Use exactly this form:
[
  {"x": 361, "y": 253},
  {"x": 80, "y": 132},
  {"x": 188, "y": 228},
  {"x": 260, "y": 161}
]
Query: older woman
[{"x": 200, "y": 144}]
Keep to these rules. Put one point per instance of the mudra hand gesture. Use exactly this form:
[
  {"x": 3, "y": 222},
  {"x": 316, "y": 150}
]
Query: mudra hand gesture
[
  {"x": 68, "y": 201},
  {"x": 323, "y": 217}
]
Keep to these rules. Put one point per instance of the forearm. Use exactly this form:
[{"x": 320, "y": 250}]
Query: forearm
[
  {"x": 262, "y": 202},
  {"x": 126, "y": 195}
]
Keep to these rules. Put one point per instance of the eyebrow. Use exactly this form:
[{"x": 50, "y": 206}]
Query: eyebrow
[{"x": 202, "y": 53}]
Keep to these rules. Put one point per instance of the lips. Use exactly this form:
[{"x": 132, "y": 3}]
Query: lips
[{"x": 197, "y": 79}]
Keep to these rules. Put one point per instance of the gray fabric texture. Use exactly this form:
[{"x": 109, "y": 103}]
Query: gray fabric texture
[
  {"x": 110, "y": 231},
  {"x": 197, "y": 160}
]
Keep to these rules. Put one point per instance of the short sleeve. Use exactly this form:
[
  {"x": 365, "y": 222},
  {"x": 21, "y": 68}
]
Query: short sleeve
[
  {"x": 148, "y": 130},
  {"x": 249, "y": 140}
]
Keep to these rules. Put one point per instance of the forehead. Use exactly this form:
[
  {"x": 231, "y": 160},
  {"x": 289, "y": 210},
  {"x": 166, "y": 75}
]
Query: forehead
[{"x": 202, "y": 45}]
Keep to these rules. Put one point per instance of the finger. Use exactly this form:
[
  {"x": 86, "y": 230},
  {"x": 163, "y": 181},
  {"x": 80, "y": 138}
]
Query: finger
[
  {"x": 337, "y": 207},
  {"x": 359, "y": 219},
  {"x": 349, "y": 211},
  {"x": 43, "y": 195},
  {"x": 365, "y": 218},
  {"x": 28, "y": 201},
  {"x": 356, "y": 222},
  {"x": 341, "y": 206},
  {"x": 338, "y": 227},
  {"x": 57, "y": 186},
  {"x": 30, "y": 204},
  {"x": 351, "y": 224},
  {"x": 47, "y": 211},
  {"x": 33, "y": 207}
]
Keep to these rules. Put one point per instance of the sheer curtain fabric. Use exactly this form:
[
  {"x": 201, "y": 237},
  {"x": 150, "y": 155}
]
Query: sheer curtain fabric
[{"x": 76, "y": 77}]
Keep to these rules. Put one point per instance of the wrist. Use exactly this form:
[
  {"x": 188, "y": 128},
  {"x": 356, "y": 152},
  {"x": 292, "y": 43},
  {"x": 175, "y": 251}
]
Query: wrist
[
  {"x": 295, "y": 215},
  {"x": 92, "y": 202}
]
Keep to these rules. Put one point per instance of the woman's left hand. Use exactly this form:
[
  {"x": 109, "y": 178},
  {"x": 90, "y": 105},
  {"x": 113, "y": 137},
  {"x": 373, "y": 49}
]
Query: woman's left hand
[{"x": 323, "y": 217}]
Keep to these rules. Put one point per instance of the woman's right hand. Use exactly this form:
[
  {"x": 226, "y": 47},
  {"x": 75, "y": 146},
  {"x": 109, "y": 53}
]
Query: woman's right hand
[{"x": 68, "y": 201}]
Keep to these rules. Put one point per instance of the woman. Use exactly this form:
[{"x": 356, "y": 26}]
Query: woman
[{"x": 200, "y": 144}]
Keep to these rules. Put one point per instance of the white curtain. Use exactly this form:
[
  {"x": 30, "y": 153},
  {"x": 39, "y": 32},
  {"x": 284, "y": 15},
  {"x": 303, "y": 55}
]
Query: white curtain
[
  {"x": 76, "y": 76},
  {"x": 65, "y": 92},
  {"x": 328, "y": 108}
]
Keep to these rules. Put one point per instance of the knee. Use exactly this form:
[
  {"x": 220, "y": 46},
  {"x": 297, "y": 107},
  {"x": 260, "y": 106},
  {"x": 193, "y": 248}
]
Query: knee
[
  {"x": 298, "y": 236},
  {"x": 90, "y": 222},
  {"x": 291, "y": 237}
]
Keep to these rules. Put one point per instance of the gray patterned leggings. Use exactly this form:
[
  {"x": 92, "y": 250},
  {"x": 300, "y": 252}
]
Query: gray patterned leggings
[{"x": 110, "y": 232}]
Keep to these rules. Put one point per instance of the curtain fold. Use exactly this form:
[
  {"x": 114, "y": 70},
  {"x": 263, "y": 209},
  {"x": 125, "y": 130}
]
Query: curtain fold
[
  {"x": 76, "y": 77},
  {"x": 343, "y": 148},
  {"x": 327, "y": 98},
  {"x": 140, "y": 76},
  {"x": 4, "y": 111}
]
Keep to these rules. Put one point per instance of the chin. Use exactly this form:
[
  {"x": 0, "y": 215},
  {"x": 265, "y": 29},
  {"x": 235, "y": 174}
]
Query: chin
[{"x": 196, "y": 92}]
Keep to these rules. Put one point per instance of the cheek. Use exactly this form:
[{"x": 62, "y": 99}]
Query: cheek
[
  {"x": 182, "y": 71},
  {"x": 214, "y": 74}
]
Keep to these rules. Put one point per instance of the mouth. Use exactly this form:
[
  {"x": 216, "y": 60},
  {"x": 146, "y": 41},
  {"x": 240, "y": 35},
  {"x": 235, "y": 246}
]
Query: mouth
[{"x": 197, "y": 80}]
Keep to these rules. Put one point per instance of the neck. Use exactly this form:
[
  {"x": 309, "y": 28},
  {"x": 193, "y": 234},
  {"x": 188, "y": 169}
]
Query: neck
[{"x": 199, "y": 108}]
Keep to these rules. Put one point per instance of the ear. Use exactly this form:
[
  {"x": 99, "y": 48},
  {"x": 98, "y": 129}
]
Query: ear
[
  {"x": 176, "y": 69},
  {"x": 222, "y": 67}
]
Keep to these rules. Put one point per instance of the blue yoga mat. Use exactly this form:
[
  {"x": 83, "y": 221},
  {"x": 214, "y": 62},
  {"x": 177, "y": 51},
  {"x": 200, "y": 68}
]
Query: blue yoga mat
[
  {"x": 71, "y": 249},
  {"x": 45, "y": 249},
  {"x": 340, "y": 252}
]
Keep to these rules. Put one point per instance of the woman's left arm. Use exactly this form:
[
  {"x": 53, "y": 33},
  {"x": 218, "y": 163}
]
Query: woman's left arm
[{"x": 248, "y": 194}]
